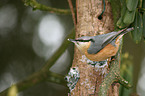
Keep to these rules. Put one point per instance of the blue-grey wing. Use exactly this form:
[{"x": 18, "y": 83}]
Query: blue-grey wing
[
  {"x": 110, "y": 38},
  {"x": 94, "y": 47},
  {"x": 100, "y": 42}
]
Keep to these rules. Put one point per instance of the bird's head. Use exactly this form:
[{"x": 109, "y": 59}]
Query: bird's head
[{"x": 82, "y": 43}]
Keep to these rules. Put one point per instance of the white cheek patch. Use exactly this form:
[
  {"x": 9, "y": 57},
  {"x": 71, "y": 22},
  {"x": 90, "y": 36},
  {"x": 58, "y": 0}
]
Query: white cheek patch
[{"x": 79, "y": 46}]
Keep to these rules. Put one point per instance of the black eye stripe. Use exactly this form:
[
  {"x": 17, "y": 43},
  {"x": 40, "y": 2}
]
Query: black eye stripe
[
  {"x": 80, "y": 40},
  {"x": 83, "y": 40},
  {"x": 92, "y": 40}
]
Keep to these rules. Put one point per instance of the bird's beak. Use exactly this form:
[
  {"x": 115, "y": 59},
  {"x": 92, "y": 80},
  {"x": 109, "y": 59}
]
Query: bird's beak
[{"x": 72, "y": 40}]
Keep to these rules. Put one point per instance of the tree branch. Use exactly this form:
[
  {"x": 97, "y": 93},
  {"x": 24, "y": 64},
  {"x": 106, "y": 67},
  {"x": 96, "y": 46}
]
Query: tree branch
[
  {"x": 44, "y": 74},
  {"x": 36, "y": 78},
  {"x": 124, "y": 82},
  {"x": 58, "y": 53},
  {"x": 35, "y": 5},
  {"x": 73, "y": 13}
]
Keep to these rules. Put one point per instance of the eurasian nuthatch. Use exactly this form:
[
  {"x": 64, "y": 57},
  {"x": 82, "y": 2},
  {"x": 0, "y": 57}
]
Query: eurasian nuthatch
[{"x": 100, "y": 47}]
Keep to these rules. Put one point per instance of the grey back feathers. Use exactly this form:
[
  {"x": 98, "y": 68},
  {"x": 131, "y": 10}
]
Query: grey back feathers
[{"x": 100, "y": 41}]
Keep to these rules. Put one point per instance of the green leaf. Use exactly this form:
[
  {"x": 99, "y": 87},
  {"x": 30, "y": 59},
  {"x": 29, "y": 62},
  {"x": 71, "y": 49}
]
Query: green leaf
[
  {"x": 116, "y": 10},
  {"x": 129, "y": 17},
  {"x": 131, "y": 4},
  {"x": 120, "y": 22},
  {"x": 138, "y": 28}
]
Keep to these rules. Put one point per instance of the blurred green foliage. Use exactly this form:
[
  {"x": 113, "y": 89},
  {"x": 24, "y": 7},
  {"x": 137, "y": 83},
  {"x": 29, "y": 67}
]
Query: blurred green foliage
[
  {"x": 132, "y": 14},
  {"x": 126, "y": 70}
]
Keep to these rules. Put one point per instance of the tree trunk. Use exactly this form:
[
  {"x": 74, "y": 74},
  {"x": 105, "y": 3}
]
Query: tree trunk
[{"x": 88, "y": 24}]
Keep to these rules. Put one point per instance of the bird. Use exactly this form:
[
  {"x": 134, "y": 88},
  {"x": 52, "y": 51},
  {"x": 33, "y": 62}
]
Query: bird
[{"x": 100, "y": 47}]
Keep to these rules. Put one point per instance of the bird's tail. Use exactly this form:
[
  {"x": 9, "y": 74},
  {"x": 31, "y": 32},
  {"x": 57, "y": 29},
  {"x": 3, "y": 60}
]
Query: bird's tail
[
  {"x": 124, "y": 31},
  {"x": 121, "y": 32}
]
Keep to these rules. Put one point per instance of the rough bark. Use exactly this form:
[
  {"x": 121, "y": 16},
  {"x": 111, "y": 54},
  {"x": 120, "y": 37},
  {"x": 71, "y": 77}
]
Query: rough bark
[{"x": 88, "y": 24}]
